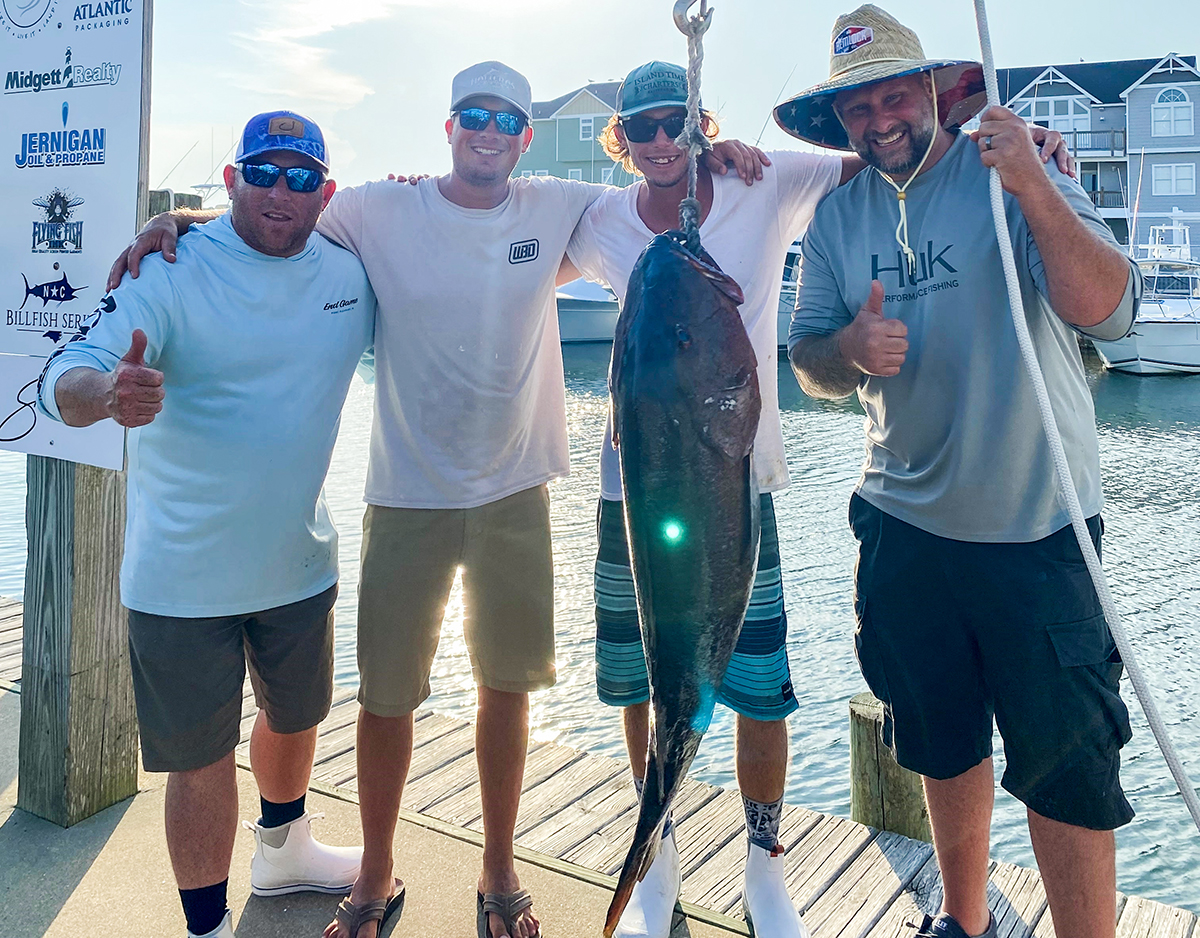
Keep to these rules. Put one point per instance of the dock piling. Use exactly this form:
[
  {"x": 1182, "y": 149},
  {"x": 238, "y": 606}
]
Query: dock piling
[{"x": 883, "y": 795}]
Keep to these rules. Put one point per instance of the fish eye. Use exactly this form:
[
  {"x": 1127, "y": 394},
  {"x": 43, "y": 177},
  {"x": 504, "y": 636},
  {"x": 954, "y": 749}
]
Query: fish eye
[{"x": 685, "y": 337}]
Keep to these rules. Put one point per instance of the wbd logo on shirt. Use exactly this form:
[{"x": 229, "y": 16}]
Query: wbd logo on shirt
[
  {"x": 45, "y": 149},
  {"x": 522, "y": 252}
]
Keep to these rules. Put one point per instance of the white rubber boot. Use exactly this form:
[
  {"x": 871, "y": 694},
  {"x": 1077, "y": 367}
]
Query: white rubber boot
[
  {"x": 651, "y": 908},
  {"x": 288, "y": 859},
  {"x": 769, "y": 910},
  {"x": 224, "y": 930}
]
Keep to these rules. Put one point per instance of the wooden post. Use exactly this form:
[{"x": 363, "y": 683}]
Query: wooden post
[
  {"x": 78, "y": 746},
  {"x": 882, "y": 794}
]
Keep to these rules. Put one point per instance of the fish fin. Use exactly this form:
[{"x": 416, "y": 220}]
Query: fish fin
[
  {"x": 728, "y": 418},
  {"x": 647, "y": 836}
]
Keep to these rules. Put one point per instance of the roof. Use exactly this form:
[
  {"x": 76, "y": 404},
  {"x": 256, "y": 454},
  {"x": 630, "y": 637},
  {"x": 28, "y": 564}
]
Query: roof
[
  {"x": 1104, "y": 80},
  {"x": 606, "y": 91}
]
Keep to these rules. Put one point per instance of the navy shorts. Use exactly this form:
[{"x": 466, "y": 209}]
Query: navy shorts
[
  {"x": 954, "y": 633},
  {"x": 758, "y": 682}
]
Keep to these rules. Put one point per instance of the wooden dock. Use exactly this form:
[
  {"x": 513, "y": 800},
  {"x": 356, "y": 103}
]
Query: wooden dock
[{"x": 849, "y": 881}]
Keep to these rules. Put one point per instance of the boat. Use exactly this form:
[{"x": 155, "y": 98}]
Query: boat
[
  {"x": 587, "y": 312},
  {"x": 787, "y": 292},
  {"x": 1165, "y": 338}
]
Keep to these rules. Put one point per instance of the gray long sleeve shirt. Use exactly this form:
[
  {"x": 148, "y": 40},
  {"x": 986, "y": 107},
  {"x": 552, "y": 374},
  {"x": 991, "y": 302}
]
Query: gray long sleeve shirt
[{"x": 954, "y": 441}]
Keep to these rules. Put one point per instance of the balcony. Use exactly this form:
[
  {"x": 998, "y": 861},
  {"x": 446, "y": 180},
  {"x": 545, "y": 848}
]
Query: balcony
[
  {"x": 1102, "y": 199},
  {"x": 1095, "y": 142}
]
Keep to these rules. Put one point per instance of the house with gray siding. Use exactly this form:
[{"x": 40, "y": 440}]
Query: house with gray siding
[{"x": 1132, "y": 128}]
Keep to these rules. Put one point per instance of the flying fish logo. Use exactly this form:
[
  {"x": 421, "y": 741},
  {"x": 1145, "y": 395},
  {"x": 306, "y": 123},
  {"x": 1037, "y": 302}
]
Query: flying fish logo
[{"x": 851, "y": 38}]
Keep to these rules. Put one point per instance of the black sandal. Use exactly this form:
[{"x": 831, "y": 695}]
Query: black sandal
[
  {"x": 507, "y": 906},
  {"x": 375, "y": 910}
]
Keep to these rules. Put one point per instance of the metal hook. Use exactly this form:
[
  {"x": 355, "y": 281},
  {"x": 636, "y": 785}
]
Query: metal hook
[{"x": 681, "y": 14}]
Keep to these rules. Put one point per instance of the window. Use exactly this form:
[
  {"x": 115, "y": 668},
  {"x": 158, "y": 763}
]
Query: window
[
  {"x": 1171, "y": 115},
  {"x": 606, "y": 176},
  {"x": 575, "y": 174},
  {"x": 526, "y": 172},
  {"x": 541, "y": 172},
  {"x": 1061, "y": 114},
  {"x": 586, "y": 128},
  {"x": 1175, "y": 179}
]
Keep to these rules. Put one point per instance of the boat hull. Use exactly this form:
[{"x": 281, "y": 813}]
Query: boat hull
[{"x": 1155, "y": 348}]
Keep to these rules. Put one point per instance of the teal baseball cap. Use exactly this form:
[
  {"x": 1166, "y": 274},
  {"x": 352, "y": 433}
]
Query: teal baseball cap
[{"x": 655, "y": 84}]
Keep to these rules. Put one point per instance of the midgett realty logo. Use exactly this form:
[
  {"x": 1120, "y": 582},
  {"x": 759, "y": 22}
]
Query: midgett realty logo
[
  {"x": 66, "y": 147},
  {"x": 62, "y": 78}
]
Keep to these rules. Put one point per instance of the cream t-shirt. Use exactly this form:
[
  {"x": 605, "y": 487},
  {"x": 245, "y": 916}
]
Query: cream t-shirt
[
  {"x": 469, "y": 402},
  {"x": 748, "y": 231}
]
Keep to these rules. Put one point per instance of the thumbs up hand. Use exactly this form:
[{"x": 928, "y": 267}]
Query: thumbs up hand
[
  {"x": 872, "y": 344},
  {"x": 136, "y": 392}
]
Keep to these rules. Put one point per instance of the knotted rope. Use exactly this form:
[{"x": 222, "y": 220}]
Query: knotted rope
[
  {"x": 1059, "y": 456},
  {"x": 692, "y": 140}
]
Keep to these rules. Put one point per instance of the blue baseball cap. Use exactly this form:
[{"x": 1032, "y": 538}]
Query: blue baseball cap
[
  {"x": 282, "y": 130},
  {"x": 655, "y": 84}
]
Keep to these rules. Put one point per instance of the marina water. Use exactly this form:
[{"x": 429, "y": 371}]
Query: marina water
[{"x": 1150, "y": 454}]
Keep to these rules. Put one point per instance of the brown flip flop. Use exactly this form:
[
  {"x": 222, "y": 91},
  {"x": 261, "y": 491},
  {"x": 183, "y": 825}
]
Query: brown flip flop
[
  {"x": 507, "y": 905},
  {"x": 376, "y": 910}
]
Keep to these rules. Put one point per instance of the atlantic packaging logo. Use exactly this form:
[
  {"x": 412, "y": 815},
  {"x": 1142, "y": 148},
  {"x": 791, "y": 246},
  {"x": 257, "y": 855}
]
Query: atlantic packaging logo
[
  {"x": 56, "y": 148},
  {"x": 24, "y": 19},
  {"x": 58, "y": 234},
  {"x": 108, "y": 13},
  {"x": 32, "y": 81}
]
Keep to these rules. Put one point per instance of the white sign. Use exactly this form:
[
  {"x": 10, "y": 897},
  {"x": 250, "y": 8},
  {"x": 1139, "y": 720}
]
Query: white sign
[{"x": 71, "y": 141}]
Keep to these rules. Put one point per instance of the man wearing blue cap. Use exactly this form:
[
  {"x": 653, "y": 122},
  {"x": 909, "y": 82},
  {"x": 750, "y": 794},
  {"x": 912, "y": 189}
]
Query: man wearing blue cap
[{"x": 232, "y": 366}]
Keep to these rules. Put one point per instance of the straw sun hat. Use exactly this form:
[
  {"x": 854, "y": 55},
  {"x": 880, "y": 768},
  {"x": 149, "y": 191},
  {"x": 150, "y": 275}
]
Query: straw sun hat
[{"x": 870, "y": 45}]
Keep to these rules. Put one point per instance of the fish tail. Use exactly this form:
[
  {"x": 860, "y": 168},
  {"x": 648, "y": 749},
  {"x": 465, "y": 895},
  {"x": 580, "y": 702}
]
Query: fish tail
[
  {"x": 28, "y": 292},
  {"x": 646, "y": 839}
]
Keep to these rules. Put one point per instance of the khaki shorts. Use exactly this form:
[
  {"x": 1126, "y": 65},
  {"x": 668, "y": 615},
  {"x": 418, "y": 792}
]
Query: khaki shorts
[
  {"x": 188, "y": 676},
  {"x": 409, "y": 558}
]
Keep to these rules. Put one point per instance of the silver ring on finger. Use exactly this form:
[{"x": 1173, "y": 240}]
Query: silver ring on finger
[{"x": 987, "y": 142}]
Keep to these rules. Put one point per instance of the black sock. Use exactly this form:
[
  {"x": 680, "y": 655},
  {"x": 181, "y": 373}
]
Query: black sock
[
  {"x": 276, "y": 815},
  {"x": 204, "y": 908}
]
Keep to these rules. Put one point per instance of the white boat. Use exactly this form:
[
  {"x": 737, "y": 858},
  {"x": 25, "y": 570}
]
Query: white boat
[
  {"x": 787, "y": 292},
  {"x": 587, "y": 312},
  {"x": 1165, "y": 338}
]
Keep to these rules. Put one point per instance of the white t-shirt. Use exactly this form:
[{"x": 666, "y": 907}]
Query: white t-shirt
[
  {"x": 469, "y": 399},
  {"x": 748, "y": 232}
]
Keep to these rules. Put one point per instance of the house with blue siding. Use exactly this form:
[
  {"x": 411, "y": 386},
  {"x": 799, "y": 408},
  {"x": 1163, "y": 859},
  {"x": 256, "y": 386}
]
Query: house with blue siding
[{"x": 1132, "y": 128}]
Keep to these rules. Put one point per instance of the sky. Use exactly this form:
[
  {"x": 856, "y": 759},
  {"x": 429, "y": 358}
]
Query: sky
[{"x": 375, "y": 74}]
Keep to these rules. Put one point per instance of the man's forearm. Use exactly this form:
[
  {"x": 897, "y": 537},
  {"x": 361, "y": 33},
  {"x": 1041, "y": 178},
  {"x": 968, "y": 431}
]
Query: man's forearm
[
  {"x": 184, "y": 218},
  {"x": 82, "y": 395},
  {"x": 1085, "y": 276},
  {"x": 821, "y": 369}
]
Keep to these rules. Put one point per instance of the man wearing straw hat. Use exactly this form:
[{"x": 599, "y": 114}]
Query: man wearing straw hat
[{"x": 972, "y": 596}]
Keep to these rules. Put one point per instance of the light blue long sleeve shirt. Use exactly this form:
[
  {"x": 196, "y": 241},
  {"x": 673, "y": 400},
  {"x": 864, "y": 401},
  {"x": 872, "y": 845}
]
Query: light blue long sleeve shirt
[{"x": 226, "y": 512}]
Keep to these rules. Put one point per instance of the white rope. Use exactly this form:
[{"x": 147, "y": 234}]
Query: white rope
[
  {"x": 902, "y": 191},
  {"x": 692, "y": 139},
  {"x": 1059, "y": 456}
]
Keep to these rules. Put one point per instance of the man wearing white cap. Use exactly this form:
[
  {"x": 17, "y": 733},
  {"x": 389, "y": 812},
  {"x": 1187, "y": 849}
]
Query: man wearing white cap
[
  {"x": 972, "y": 598},
  {"x": 470, "y": 425}
]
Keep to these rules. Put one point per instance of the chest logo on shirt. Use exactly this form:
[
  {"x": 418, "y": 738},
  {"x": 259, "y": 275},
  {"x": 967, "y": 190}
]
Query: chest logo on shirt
[
  {"x": 339, "y": 306},
  {"x": 522, "y": 252},
  {"x": 931, "y": 264}
]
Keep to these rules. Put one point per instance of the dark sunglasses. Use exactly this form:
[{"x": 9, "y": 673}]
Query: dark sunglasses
[
  {"x": 645, "y": 129},
  {"x": 265, "y": 175},
  {"x": 477, "y": 118}
]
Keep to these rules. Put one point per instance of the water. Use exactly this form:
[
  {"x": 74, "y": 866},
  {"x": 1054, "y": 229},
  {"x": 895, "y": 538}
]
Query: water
[{"x": 1150, "y": 449}]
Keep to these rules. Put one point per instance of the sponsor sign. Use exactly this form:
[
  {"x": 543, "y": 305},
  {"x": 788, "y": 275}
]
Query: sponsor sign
[
  {"x": 70, "y": 151},
  {"x": 851, "y": 38}
]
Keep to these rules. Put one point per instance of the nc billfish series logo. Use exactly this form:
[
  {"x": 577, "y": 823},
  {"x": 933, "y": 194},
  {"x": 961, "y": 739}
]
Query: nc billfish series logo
[
  {"x": 59, "y": 290},
  {"x": 58, "y": 148},
  {"x": 851, "y": 38}
]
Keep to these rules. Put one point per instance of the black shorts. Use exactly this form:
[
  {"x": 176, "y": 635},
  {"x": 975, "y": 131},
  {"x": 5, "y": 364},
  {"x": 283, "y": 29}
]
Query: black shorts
[
  {"x": 188, "y": 676},
  {"x": 952, "y": 633}
]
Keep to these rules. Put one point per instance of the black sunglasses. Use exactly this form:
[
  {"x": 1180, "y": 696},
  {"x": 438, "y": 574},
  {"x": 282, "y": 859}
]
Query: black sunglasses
[
  {"x": 477, "y": 118},
  {"x": 645, "y": 129},
  {"x": 265, "y": 175}
]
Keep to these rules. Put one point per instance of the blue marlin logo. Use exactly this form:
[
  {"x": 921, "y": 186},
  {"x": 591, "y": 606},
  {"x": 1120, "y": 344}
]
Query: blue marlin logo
[{"x": 58, "y": 290}]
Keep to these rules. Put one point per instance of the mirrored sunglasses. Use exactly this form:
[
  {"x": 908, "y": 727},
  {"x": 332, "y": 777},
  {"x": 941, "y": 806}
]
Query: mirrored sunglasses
[
  {"x": 477, "y": 118},
  {"x": 298, "y": 178},
  {"x": 645, "y": 129}
]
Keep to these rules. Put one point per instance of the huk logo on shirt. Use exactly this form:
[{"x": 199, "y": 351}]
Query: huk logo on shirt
[
  {"x": 851, "y": 38},
  {"x": 32, "y": 81},
  {"x": 54, "y": 148},
  {"x": 58, "y": 234},
  {"x": 928, "y": 264},
  {"x": 522, "y": 252}
]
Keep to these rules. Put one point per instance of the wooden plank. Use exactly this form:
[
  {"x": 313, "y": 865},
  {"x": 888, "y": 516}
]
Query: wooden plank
[
  {"x": 718, "y": 884},
  {"x": 576, "y": 822},
  {"x": 1045, "y": 926},
  {"x": 441, "y": 751},
  {"x": 450, "y": 779},
  {"x": 1144, "y": 918},
  {"x": 78, "y": 737},
  {"x": 813, "y": 865},
  {"x": 858, "y": 899},
  {"x": 922, "y": 896},
  {"x": 463, "y": 808},
  {"x": 1017, "y": 900},
  {"x": 708, "y": 830},
  {"x": 563, "y": 788}
]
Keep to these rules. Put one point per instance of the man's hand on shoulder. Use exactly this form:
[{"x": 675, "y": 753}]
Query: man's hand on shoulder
[
  {"x": 412, "y": 179},
  {"x": 872, "y": 343},
  {"x": 747, "y": 161},
  {"x": 159, "y": 235},
  {"x": 135, "y": 392}
]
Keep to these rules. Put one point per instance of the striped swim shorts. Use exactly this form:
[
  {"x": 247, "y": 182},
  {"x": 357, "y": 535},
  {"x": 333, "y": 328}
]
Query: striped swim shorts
[{"x": 758, "y": 683}]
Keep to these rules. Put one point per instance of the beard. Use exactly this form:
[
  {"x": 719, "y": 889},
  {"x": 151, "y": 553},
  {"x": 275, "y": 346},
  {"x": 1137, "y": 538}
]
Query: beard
[{"x": 902, "y": 162}]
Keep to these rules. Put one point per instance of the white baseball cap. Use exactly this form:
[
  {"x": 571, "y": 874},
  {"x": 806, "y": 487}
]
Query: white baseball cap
[{"x": 494, "y": 79}]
